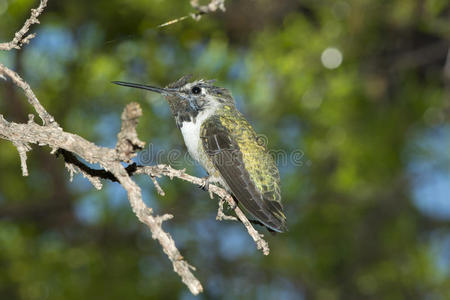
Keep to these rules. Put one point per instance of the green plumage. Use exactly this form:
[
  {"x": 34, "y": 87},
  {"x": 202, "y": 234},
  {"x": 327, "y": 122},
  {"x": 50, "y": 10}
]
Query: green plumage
[{"x": 245, "y": 165}]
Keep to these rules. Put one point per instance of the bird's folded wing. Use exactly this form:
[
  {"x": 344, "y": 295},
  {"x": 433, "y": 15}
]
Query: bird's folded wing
[{"x": 223, "y": 149}]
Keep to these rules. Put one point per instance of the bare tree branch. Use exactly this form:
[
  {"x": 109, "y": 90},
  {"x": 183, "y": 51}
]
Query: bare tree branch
[
  {"x": 201, "y": 10},
  {"x": 32, "y": 99},
  {"x": 221, "y": 215},
  {"x": 19, "y": 40},
  {"x": 166, "y": 170},
  {"x": 73, "y": 169},
  {"x": 23, "y": 148},
  {"x": 71, "y": 146},
  {"x": 109, "y": 159}
]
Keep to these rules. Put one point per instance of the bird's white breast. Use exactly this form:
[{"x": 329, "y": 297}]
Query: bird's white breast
[{"x": 191, "y": 134}]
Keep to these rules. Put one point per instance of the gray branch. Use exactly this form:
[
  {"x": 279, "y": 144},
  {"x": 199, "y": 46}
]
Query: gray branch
[
  {"x": 108, "y": 159},
  {"x": 32, "y": 99},
  {"x": 166, "y": 170},
  {"x": 201, "y": 10},
  {"x": 19, "y": 38},
  {"x": 70, "y": 146}
]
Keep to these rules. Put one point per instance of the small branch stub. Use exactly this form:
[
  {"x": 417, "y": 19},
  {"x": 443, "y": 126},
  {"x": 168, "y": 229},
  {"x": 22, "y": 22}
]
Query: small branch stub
[
  {"x": 128, "y": 141},
  {"x": 23, "y": 148}
]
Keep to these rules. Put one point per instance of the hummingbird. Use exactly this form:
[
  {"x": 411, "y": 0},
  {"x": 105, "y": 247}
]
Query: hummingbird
[{"x": 223, "y": 142}]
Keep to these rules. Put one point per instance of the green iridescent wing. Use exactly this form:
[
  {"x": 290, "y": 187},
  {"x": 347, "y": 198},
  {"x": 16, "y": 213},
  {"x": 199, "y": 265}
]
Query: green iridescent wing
[{"x": 246, "y": 167}]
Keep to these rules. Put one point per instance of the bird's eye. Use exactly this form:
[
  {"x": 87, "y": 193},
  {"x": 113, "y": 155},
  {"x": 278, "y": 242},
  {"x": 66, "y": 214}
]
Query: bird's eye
[{"x": 196, "y": 90}]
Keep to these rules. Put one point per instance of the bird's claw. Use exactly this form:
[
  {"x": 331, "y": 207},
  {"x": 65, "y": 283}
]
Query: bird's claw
[{"x": 205, "y": 185}]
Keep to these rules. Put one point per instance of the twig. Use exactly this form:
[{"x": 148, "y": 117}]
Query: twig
[
  {"x": 201, "y": 10},
  {"x": 73, "y": 169},
  {"x": 221, "y": 215},
  {"x": 157, "y": 186},
  {"x": 173, "y": 21},
  {"x": 23, "y": 148},
  {"x": 19, "y": 40},
  {"x": 47, "y": 119}
]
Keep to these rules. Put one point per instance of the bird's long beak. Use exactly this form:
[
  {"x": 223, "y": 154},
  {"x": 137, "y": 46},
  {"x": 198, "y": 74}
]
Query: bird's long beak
[{"x": 163, "y": 91}]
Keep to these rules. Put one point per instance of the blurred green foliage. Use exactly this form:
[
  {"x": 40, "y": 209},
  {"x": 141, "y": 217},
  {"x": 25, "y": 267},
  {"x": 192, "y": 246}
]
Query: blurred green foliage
[{"x": 365, "y": 171}]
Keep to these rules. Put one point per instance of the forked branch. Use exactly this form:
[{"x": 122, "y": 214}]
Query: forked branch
[
  {"x": 71, "y": 147},
  {"x": 19, "y": 38}
]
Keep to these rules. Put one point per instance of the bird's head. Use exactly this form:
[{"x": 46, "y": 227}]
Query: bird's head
[{"x": 185, "y": 96}]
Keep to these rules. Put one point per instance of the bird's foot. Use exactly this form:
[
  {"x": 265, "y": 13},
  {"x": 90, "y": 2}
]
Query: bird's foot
[{"x": 205, "y": 185}]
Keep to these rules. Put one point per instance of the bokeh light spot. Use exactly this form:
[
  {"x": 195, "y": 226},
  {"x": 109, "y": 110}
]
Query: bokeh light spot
[{"x": 331, "y": 58}]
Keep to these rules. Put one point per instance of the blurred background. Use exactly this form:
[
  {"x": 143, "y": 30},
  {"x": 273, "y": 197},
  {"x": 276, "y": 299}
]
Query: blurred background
[{"x": 353, "y": 96}]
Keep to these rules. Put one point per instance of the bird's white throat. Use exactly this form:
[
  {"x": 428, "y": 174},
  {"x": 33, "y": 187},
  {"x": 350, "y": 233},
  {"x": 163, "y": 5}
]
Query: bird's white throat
[{"x": 191, "y": 133}]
